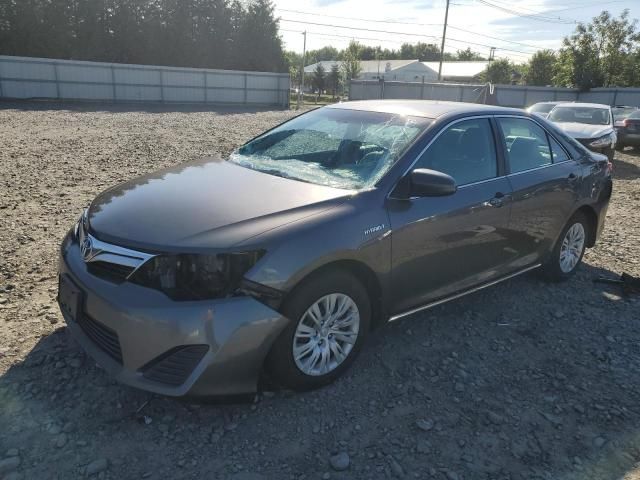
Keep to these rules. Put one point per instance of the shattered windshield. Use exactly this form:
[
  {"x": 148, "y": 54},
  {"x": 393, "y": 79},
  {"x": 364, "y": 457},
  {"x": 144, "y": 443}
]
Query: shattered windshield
[{"x": 340, "y": 148}]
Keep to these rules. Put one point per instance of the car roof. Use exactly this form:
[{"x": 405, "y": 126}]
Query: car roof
[
  {"x": 552, "y": 103},
  {"x": 587, "y": 105},
  {"x": 422, "y": 108}
]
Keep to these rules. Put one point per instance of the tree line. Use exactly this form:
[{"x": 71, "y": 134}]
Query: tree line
[
  {"x": 602, "y": 53},
  {"x": 226, "y": 34},
  {"x": 243, "y": 35}
]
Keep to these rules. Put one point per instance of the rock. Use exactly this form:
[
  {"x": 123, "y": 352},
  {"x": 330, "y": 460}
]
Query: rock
[
  {"x": 13, "y": 452},
  {"x": 9, "y": 465},
  {"x": 423, "y": 447},
  {"x": 599, "y": 442},
  {"x": 495, "y": 418},
  {"x": 340, "y": 461},
  {"x": 396, "y": 468},
  {"x": 68, "y": 427},
  {"x": 424, "y": 424},
  {"x": 459, "y": 387},
  {"x": 451, "y": 475},
  {"x": 61, "y": 440},
  {"x": 558, "y": 314},
  {"x": 554, "y": 419},
  {"x": 97, "y": 466},
  {"x": 54, "y": 429}
]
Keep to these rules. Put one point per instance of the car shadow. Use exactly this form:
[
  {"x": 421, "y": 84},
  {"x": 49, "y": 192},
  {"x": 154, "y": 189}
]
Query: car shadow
[
  {"x": 146, "y": 107},
  {"x": 521, "y": 380},
  {"x": 624, "y": 169}
]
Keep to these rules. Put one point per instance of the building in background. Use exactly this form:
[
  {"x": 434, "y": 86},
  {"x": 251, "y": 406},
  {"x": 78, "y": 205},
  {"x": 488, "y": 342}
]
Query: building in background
[{"x": 411, "y": 70}]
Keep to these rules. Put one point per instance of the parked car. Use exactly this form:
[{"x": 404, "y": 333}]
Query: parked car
[
  {"x": 620, "y": 112},
  {"x": 283, "y": 257},
  {"x": 591, "y": 124},
  {"x": 542, "y": 108},
  {"x": 629, "y": 131}
]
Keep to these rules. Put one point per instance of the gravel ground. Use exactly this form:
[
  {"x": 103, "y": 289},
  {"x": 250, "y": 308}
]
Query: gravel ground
[{"x": 521, "y": 381}]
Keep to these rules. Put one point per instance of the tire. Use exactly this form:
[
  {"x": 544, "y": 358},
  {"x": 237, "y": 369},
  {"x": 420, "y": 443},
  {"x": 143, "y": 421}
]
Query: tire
[
  {"x": 619, "y": 147},
  {"x": 340, "y": 286},
  {"x": 554, "y": 269}
]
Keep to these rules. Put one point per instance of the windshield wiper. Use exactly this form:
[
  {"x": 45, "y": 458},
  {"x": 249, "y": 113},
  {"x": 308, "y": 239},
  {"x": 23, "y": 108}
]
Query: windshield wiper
[{"x": 279, "y": 173}]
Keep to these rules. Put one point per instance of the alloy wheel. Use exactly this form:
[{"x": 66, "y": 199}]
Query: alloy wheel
[
  {"x": 572, "y": 247},
  {"x": 326, "y": 334}
]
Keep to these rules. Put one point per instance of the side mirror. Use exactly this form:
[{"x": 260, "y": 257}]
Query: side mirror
[{"x": 430, "y": 183}]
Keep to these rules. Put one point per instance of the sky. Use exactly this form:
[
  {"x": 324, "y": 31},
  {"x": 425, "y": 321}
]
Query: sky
[{"x": 518, "y": 27}]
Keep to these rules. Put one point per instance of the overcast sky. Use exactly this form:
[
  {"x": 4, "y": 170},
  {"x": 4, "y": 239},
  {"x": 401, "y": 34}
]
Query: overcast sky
[{"x": 558, "y": 20}]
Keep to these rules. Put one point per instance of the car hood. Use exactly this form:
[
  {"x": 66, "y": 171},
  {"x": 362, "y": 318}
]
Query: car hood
[
  {"x": 204, "y": 205},
  {"x": 583, "y": 130}
]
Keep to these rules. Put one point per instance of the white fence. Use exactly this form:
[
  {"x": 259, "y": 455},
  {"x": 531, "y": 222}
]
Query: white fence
[
  {"x": 505, "y": 95},
  {"x": 31, "y": 78}
]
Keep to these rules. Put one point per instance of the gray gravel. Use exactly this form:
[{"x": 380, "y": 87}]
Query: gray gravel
[{"x": 521, "y": 381}]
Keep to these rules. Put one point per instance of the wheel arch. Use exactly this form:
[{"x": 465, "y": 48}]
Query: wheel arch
[
  {"x": 365, "y": 275},
  {"x": 591, "y": 215}
]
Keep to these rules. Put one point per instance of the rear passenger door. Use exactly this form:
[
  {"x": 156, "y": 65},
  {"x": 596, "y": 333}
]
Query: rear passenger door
[{"x": 544, "y": 181}]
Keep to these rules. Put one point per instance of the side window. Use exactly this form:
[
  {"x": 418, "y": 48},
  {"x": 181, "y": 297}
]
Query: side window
[
  {"x": 527, "y": 144},
  {"x": 558, "y": 153},
  {"x": 465, "y": 150}
]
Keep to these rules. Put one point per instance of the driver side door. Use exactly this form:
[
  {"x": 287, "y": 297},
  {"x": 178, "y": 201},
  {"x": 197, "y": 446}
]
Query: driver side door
[{"x": 443, "y": 245}]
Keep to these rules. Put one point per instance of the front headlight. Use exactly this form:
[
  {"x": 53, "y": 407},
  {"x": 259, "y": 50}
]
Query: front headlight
[
  {"x": 196, "y": 277},
  {"x": 602, "y": 141}
]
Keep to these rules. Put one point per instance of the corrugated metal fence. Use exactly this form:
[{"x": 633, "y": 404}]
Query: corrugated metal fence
[
  {"x": 26, "y": 77},
  {"x": 504, "y": 95}
]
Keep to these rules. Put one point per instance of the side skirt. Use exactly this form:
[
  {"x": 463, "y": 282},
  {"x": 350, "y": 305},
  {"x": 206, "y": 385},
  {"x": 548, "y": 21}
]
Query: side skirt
[{"x": 462, "y": 294}]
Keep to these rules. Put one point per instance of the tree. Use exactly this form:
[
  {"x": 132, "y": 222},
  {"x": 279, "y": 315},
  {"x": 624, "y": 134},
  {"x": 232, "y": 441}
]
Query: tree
[
  {"x": 598, "y": 53},
  {"x": 191, "y": 33},
  {"x": 498, "y": 71},
  {"x": 333, "y": 79},
  {"x": 468, "y": 55},
  {"x": 318, "y": 79},
  {"x": 350, "y": 66},
  {"x": 541, "y": 68}
]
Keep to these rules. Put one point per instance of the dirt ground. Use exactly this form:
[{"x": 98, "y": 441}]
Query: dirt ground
[{"x": 524, "y": 380}]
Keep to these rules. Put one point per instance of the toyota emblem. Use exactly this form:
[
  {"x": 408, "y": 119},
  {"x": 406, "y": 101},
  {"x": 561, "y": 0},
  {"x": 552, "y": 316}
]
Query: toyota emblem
[{"x": 86, "y": 248}]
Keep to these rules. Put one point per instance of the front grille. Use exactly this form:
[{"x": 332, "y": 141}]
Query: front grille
[
  {"x": 113, "y": 272},
  {"x": 174, "y": 366},
  {"x": 105, "y": 338}
]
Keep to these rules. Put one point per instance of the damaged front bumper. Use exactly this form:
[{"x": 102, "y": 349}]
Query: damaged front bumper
[{"x": 148, "y": 341}]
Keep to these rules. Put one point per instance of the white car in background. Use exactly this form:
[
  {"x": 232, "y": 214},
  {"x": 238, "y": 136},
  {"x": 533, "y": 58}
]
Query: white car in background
[
  {"x": 591, "y": 124},
  {"x": 542, "y": 109}
]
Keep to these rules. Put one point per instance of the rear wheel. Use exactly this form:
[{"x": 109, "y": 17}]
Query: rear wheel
[
  {"x": 330, "y": 316},
  {"x": 569, "y": 250}
]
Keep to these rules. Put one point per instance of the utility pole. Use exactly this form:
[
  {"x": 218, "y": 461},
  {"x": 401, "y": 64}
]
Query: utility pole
[
  {"x": 492, "y": 53},
  {"x": 444, "y": 35},
  {"x": 301, "y": 87}
]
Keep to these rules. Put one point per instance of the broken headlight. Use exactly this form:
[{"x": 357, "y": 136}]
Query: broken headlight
[{"x": 196, "y": 277}]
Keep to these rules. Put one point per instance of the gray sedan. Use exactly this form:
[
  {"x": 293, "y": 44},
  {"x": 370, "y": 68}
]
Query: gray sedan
[{"x": 281, "y": 258}]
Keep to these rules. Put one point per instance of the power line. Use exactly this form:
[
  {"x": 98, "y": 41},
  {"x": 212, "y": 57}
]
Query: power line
[
  {"x": 533, "y": 16},
  {"x": 400, "y": 22},
  {"x": 353, "y": 37},
  {"x": 464, "y": 42}
]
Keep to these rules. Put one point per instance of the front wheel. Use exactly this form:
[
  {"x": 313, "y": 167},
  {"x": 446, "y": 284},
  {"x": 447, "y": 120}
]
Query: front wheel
[
  {"x": 569, "y": 250},
  {"x": 330, "y": 315}
]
